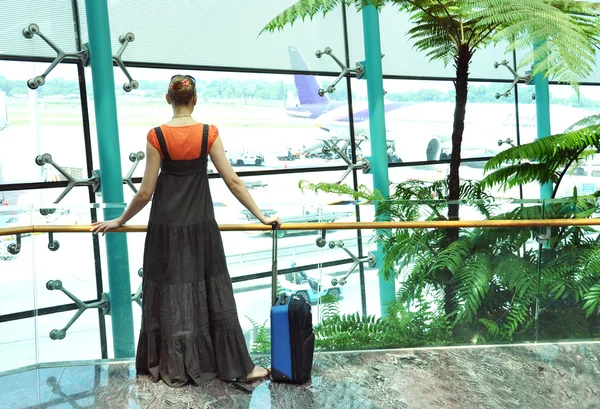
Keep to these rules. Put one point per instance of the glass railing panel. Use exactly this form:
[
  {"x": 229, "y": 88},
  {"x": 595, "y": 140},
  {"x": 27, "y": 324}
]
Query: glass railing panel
[
  {"x": 81, "y": 340},
  {"x": 16, "y": 261},
  {"x": 17, "y": 300},
  {"x": 569, "y": 273},
  {"x": 450, "y": 294},
  {"x": 470, "y": 295},
  {"x": 66, "y": 257},
  {"x": 313, "y": 276},
  {"x": 67, "y": 274},
  {"x": 17, "y": 344}
]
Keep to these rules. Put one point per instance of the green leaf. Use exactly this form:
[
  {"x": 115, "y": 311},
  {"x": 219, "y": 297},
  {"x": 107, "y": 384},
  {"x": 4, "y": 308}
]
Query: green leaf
[
  {"x": 472, "y": 284},
  {"x": 592, "y": 300}
]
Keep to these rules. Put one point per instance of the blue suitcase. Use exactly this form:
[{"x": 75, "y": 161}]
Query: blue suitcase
[{"x": 292, "y": 336}]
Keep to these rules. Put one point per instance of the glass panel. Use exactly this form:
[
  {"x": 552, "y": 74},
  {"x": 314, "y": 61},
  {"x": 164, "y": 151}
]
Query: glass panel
[
  {"x": 219, "y": 45},
  {"x": 47, "y": 196},
  {"x": 135, "y": 254},
  {"x": 47, "y": 120},
  {"x": 402, "y": 59},
  {"x": 17, "y": 277},
  {"x": 490, "y": 264},
  {"x": 18, "y": 344},
  {"x": 263, "y": 122},
  {"x": 307, "y": 274},
  {"x": 565, "y": 110},
  {"x": 66, "y": 257},
  {"x": 419, "y": 118},
  {"x": 81, "y": 342},
  {"x": 55, "y": 20},
  {"x": 16, "y": 262},
  {"x": 569, "y": 293},
  {"x": 527, "y": 114}
]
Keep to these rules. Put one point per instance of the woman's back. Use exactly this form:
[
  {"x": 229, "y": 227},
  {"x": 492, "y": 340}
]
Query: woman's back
[
  {"x": 182, "y": 195},
  {"x": 183, "y": 141}
]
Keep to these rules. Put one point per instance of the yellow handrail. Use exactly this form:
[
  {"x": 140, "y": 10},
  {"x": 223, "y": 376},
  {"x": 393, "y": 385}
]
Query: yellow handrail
[{"x": 441, "y": 224}]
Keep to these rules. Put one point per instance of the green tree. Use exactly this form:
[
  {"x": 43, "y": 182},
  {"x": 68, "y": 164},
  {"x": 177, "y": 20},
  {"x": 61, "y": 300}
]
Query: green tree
[{"x": 565, "y": 32}]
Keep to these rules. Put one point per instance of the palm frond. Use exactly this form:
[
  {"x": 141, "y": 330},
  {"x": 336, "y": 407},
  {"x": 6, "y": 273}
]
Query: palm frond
[
  {"x": 453, "y": 256},
  {"x": 517, "y": 275},
  {"x": 492, "y": 326},
  {"x": 310, "y": 8},
  {"x": 542, "y": 159},
  {"x": 363, "y": 191},
  {"x": 564, "y": 48},
  {"x": 520, "y": 174},
  {"x": 431, "y": 35},
  {"x": 592, "y": 300},
  {"x": 401, "y": 247},
  {"x": 299, "y": 11},
  {"x": 472, "y": 284}
]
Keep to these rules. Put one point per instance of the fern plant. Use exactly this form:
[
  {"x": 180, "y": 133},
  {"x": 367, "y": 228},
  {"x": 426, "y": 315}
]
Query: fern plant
[
  {"x": 400, "y": 328},
  {"x": 262, "y": 342},
  {"x": 500, "y": 278}
]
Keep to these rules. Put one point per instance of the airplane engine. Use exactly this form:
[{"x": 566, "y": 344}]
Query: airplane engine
[{"x": 419, "y": 149}]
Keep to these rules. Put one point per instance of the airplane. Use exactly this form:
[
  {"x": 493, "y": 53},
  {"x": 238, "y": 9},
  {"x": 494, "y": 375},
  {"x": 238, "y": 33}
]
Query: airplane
[
  {"x": 421, "y": 131},
  {"x": 332, "y": 117}
]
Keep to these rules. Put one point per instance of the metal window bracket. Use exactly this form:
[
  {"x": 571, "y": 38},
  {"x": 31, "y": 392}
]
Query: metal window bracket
[
  {"x": 135, "y": 158},
  {"x": 370, "y": 259},
  {"x": 94, "y": 181},
  {"x": 359, "y": 70},
  {"x": 125, "y": 40},
  {"x": 83, "y": 55},
  {"x": 40, "y": 80},
  {"x": 103, "y": 305},
  {"x": 527, "y": 79},
  {"x": 137, "y": 297},
  {"x": 345, "y": 70},
  {"x": 363, "y": 164},
  {"x": 507, "y": 141}
]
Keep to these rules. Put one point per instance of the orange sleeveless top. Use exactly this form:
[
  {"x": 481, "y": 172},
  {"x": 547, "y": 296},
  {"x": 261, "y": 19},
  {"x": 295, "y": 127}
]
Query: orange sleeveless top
[{"x": 183, "y": 142}]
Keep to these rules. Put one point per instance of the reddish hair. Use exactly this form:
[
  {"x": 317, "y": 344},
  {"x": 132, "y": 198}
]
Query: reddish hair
[{"x": 182, "y": 89}]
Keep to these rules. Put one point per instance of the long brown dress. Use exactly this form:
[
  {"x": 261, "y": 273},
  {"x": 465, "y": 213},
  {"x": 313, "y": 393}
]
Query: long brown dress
[{"x": 190, "y": 329}]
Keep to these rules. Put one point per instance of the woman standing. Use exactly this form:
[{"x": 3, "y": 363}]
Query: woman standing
[{"x": 190, "y": 329}]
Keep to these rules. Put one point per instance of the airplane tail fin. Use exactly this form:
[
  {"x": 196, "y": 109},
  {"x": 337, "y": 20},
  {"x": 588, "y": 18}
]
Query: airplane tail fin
[{"x": 306, "y": 85}]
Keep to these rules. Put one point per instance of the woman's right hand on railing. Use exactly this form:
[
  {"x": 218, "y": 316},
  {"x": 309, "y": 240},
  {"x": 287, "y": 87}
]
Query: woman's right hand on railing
[{"x": 272, "y": 219}]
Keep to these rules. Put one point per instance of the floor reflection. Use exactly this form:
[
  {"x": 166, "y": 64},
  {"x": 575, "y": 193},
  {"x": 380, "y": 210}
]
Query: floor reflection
[{"x": 530, "y": 376}]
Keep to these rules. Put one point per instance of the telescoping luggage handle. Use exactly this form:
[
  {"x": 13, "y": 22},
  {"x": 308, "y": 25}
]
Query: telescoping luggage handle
[{"x": 274, "y": 266}]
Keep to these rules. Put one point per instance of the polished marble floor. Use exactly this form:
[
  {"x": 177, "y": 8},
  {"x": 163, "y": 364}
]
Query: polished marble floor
[{"x": 561, "y": 376}]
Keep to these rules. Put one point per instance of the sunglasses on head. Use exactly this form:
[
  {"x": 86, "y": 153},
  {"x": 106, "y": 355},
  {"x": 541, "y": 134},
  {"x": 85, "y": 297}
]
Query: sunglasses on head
[{"x": 185, "y": 76}]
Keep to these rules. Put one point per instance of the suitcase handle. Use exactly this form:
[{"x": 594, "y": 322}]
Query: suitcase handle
[{"x": 274, "y": 266}]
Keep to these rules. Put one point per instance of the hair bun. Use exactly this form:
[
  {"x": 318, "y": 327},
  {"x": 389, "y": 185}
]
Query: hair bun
[{"x": 177, "y": 85}]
